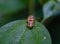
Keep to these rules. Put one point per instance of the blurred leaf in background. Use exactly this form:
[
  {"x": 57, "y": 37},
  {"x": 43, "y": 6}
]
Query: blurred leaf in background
[
  {"x": 50, "y": 12},
  {"x": 12, "y": 9},
  {"x": 48, "y": 9},
  {"x": 9, "y": 6}
]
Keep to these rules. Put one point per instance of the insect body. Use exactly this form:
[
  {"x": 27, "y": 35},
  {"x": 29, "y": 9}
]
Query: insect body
[{"x": 30, "y": 21}]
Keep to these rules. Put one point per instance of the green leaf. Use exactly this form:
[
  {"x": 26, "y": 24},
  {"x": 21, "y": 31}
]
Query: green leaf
[
  {"x": 49, "y": 9},
  {"x": 11, "y": 10},
  {"x": 16, "y": 32},
  {"x": 50, "y": 15}
]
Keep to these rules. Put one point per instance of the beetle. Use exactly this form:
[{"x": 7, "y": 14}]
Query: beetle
[{"x": 30, "y": 21}]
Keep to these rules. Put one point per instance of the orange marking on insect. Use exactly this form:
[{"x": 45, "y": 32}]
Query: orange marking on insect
[{"x": 30, "y": 21}]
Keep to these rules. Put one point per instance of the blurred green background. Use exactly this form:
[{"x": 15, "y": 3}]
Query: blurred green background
[{"x": 47, "y": 12}]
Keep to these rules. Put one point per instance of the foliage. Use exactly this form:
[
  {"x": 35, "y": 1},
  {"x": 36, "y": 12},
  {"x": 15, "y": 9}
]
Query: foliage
[
  {"x": 13, "y": 26},
  {"x": 16, "y": 32}
]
